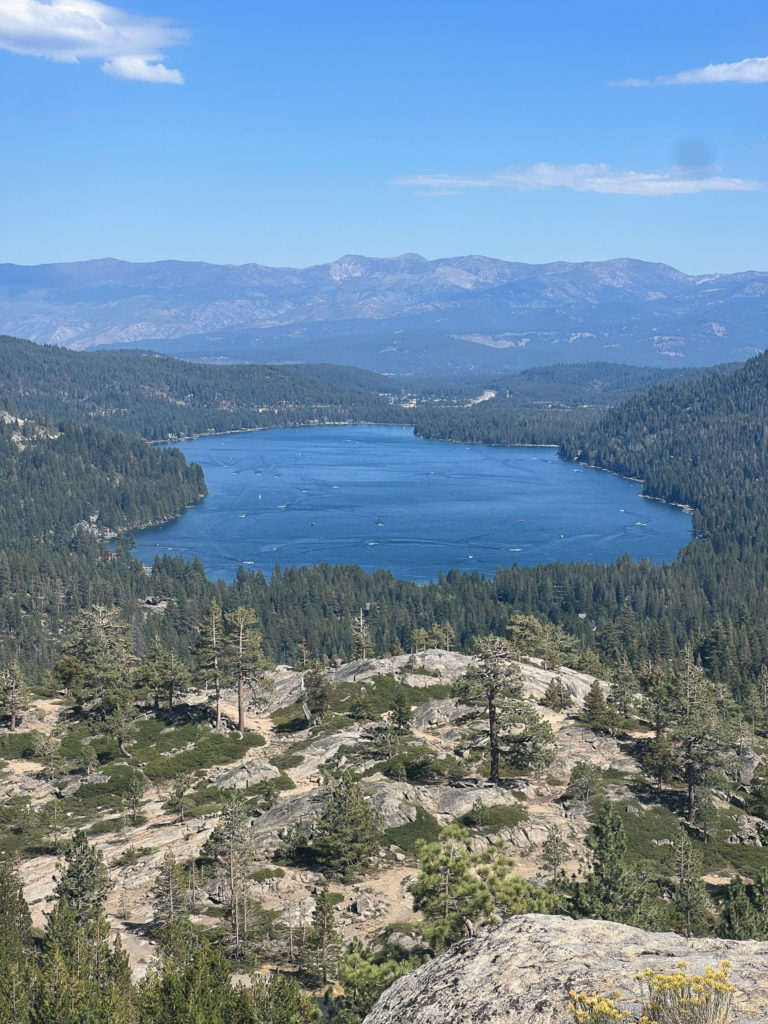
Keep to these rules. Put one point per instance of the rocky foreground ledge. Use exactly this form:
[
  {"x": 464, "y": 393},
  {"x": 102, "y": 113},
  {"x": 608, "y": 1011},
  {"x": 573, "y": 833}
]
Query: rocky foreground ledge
[{"x": 521, "y": 972}]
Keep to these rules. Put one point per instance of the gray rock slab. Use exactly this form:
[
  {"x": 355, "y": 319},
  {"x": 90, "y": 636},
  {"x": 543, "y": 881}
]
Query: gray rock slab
[{"x": 522, "y": 971}]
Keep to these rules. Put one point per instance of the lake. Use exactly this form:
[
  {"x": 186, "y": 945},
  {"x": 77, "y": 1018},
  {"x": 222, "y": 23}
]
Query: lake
[{"x": 381, "y": 498}]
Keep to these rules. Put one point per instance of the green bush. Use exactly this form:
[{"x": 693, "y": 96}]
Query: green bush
[
  {"x": 490, "y": 819},
  {"x": 19, "y": 746},
  {"x": 210, "y": 750},
  {"x": 424, "y": 826}
]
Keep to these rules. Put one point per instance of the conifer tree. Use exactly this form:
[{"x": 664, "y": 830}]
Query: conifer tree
[
  {"x": 595, "y": 711},
  {"x": 84, "y": 882},
  {"x": 173, "y": 932},
  {"x": 554, "y": 852},
  {"x": 16, "y": 948},
  {"x": 362, "y": 645},
  {"x": 622, "y": 692},
  {"x": 690, "y": 892},
  {"x": 494, "y": 683},
  {"x": 738, "y": 918},
  {"x": 610, "y": 890},
  {"x": 278, "y": 999},
  {"x": 14, "y": 693},
  {"x": 704, "y": 731},
  {"x": 458, "y": 889},
  {"x": 230, "y": 845},
  {"x": 82, "y": 976},
  {"x": 320, "y": 950},
  {"x": 245, "y": 661},
  {"x": 348, "y": 831},
  {"x": 557, "y": 696},
  {"x": 317, "y": 693},
  {"x": 400, "y": 711},
  {"x": 583, "y": 781},
  {"x": 169, "y": 900},
  {"x": 209, "y": 655},
  {"x": 180, "y": 791},
  {"x": 95, "y": 660},
  {"x": 135, "y": 790}
]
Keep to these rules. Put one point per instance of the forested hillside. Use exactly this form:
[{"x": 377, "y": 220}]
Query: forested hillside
[{"x": 158, "y": 397}]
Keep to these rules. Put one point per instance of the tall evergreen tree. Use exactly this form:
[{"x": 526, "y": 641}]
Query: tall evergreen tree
[
  {"x": 14, "y": 693},
  {"x": 494, "y": 682},
  {"x": 704, "y": 731},
  {"x": 317, "y": 693},
  {"x": 209, "y": 655},
  {"x": 320, "y": 950},
  {"x": 690, "y": 893},
  {"x": 16, "y": 949},
  {"x": 245, "y": 661},
  {"x": 84, "y": 882},
  {"x": 348, "y": 831},
  {"x": 610, "y": 890}
]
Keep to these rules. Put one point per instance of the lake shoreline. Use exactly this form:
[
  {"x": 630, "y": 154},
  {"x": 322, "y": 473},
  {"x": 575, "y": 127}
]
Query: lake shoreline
[{"x": 380, "y": 497}]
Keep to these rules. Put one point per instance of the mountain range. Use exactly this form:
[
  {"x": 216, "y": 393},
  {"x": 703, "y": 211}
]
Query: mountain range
[{"x": 400, "y": 315}]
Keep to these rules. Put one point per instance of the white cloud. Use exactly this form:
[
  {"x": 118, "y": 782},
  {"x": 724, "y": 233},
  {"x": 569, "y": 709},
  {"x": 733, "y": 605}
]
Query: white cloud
[
  {"x": 139, "y": 69},
  {"x": 131, "y": 46},
  {"x": 583, "y": 178},
  {"x": 751, "y": 71}
]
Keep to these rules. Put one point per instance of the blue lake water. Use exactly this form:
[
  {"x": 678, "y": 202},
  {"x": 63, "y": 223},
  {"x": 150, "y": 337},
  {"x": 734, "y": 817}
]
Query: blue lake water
[{"x": 378, "y": 497}]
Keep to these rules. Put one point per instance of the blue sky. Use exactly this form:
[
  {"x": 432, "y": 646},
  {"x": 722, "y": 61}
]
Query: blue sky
[{"x": 289, "y": 134}]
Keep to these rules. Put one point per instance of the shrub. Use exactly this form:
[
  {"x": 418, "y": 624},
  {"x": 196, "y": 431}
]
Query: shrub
[{"x": 678, "y": 998}]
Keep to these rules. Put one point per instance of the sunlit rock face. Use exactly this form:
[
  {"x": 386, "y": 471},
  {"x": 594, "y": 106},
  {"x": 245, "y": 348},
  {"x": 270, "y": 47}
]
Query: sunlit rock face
[{"x": 522, "y": 971}]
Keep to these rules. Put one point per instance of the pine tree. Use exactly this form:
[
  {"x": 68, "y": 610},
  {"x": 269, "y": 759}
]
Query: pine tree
[
  {"x": 554, "y": 852},
  {"x": 209, "y": 655},
  {"x": 557, "y": 696},
  {"x": 362, "y": 646},
  {"x": 690, "y": 892},
  {"x": 135, "y": 790},
  {"x": 14, "y": 693},
  {"x": 317, "y": 693},
  {"x": 400, "y": 711},
  {"x": 704, "y": 731},
  {"x": 364, "y": 974},
  {"x": 82, "y": 976},
  {"x": 458, "y": 889},
  {"x": 622, "y": 692},
  {"x": 738, "y": 918},
  {"x": 320, "y": 950},
  {"x": 179, "y": 793},
  {"x": 16, "y": 948},
  {"x": 245, "y": 661},
  {"x": 199, "y": 992},
  {"x": 278, "y": 999},
  {"x": 659, "y": 760},
  {"x": 85, "y": 881},
  {"x": 494, "y": 683},
  {"x": 168, "y": 892},
  {"x": 525, "y": 635},
  {"x": 95, "y": 660},
  {"x": 595, "y": 711},
  {"x": 583, "y": 782},
  {"x": 610, "y": 890},
  {"x": 173, "y": 932},
  {"x": 349, "y": 829},
  {"x": 230, "y": 845}
]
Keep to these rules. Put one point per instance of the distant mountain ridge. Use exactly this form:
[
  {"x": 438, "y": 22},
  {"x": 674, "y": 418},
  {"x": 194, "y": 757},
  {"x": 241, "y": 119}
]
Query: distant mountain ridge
[{"x": 402, "y": 314}]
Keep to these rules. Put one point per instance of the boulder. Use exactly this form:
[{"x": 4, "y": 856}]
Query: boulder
[
  {"x": 244, "y": 775},
  {"x": 522, "y": 971}
]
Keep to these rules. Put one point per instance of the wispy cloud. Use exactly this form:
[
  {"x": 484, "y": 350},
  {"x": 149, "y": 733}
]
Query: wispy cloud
[
  {"x": 751, "y": 71},
  {"x": 583, "y": 178},
  {"x": 131, "y": 46}
]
